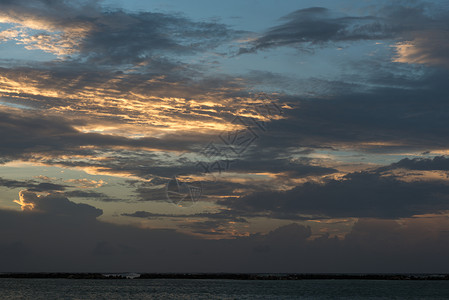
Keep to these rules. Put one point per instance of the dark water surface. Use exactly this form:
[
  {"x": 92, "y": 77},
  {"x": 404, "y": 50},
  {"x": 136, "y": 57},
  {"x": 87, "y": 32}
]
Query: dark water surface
[{"x": 220, "y": 289}]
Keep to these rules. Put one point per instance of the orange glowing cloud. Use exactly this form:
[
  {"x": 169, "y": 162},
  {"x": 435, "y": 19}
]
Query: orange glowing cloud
[
  {"x": 112, "y": 106},
  {"x": 25, "y": 205},
  {"x": 428, "y": 48},
  {"x": 59, "y": 39}
]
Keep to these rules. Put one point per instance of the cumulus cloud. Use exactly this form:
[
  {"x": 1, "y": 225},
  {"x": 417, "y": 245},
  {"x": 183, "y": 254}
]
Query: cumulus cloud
[{"x": 56, "y": 204}]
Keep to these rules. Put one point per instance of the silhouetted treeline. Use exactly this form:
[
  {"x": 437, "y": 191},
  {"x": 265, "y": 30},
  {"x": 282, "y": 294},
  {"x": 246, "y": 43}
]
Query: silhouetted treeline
[
  {"x": 62, "y": 275},
  {"x": 239, "y": 276},
  {"x": 231, "y": 276}
]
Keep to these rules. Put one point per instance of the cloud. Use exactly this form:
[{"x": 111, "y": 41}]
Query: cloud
[
  {"x": 92, "y": 195},
  {"x": 26, "y": 134},
  {"x": 427, "y": 47},
  {"x": 379, "y": 119},
  {"x": 55, "y": 243},
  {"x": 55, "y": 27},
  {"x": 223, "y": 214},
  {"x": 219, "y": 223},
  {"x": 420, "y": 30},
  {"x": 65, "y": 190},
  {"x": 56, "y": 204},
  {"x": 162, "y": 96},
  {"x": 244, "y": 176},
  {"x": 86, "y": 31},
  {"x": 316, "y": 26},
  {"x": 373, "y": 194},
  {"x": 86, "y": 183},
  {"x": 435, "y": 163},
  {"x": 120, "y": 37},
  {"x": 31, "y": 185},
  {"x": 119, "y": 101},
  {"x": 407, "y": 115}
]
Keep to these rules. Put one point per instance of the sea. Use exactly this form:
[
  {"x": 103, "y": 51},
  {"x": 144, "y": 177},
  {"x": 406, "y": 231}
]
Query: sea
[{"x": 111, "y": 289}]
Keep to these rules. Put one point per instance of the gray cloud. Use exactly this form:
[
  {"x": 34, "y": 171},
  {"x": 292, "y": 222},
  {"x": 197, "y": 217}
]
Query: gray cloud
[
  {"x": 120, "y": 37},
  {"x": 49, "y": 187},
  {"x": 361, "y": 194},
  {"x": 317, "y": 25},
  {"x": 420, "y": 29},
  {"x": 91, "y": 195},
  {"x": 65, "y": 190},
  {"x": 31, "y": 185},
  {"x": 221, "y": 215},
  {"x": 426, "y": 47},
  {"x": 24, "y": 133},
  {"x": 56, "y": 243},
  {"x": 57, "y": 204},
  {"x": 92, "y": 33},
  {"x": 408, "y": 116},
  {"x": 435, "y": 163},
  {"x": 209, "y": 223}
]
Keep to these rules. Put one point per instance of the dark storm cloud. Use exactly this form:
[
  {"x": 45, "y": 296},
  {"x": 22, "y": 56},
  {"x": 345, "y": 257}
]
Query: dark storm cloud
[
  {"x": 408, "y": 116},
  {"x": 359, "y": 194},
  {"x": 54, "y": 242}
]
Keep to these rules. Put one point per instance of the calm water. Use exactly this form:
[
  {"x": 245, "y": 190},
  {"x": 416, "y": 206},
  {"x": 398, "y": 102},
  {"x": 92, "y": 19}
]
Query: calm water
[{"x": 220, "y": 289}]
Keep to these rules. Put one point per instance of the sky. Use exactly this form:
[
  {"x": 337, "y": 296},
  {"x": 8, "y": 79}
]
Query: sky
[{"x": 224, "y": 136}]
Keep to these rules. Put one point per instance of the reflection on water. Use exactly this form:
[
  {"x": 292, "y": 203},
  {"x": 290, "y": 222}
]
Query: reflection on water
[{"x": 220, "y": 289}]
